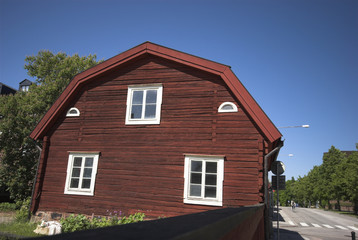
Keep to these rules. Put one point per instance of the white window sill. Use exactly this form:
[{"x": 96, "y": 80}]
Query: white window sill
[
  {"x": 203, "y": 202},
  {"x": 72, "y": 192},
  {"x": 143, "y": 122}
]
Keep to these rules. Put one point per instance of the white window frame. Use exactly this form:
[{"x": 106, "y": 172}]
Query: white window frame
[
  {"x": 69, "y": 114},
  {"x": 145, "y": 88},
  {"x": 79, "y": 190},
  {"x": 218, "y": 200},
  {"x": 25, "y": 88},
  {"x": 234, "y": 107}
]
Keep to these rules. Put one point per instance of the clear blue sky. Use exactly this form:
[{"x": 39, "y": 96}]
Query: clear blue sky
[{"x": 298, "y": 58}]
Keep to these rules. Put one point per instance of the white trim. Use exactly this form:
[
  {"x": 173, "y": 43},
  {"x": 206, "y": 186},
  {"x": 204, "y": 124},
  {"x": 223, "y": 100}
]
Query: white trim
[
  {"x": 218, "y": 201},
  {"x": 79, "y": 191},
  {"x": 203, "y": 155},
  {"x": 69, "y": 114},
  {"x": 143, "y": 120},
  {"x": 234, "y": 107}
]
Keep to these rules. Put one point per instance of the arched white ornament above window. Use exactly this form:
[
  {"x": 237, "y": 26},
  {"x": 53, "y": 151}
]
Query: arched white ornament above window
[
  {"x": 73, "y": 112},
  {"x": 227, "y": 107}
]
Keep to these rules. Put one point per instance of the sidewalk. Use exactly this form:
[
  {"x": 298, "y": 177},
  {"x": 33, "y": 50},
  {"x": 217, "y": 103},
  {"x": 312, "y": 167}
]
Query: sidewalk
[
  {"x": 286, "y": 235},
  {"x": 283, "y": 233},
  {"x": 6, "y": 217}
]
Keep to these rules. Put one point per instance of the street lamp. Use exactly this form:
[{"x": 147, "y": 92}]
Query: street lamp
[
  {"x": 277, "y": 179},
  {"x": 301, "y": 126}
]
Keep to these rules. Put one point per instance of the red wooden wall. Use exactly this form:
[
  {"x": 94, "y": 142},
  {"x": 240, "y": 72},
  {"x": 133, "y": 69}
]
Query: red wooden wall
[{"x": 141, "y": 167}]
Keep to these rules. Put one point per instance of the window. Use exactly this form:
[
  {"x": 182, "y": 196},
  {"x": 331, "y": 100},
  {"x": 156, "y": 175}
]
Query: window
[
  {"x": 227, "y": 107},
  {"x": 144, "y": 104},
  {"x": 73, "y": 112},
  {"x": 203, "y": 179},
  {"x": 25, "y": 88},
  {"x": 81, "y": 173}
]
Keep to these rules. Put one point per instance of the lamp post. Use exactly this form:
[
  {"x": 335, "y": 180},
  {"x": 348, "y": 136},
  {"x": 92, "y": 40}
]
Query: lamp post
[{"x": 278, "y": 176}]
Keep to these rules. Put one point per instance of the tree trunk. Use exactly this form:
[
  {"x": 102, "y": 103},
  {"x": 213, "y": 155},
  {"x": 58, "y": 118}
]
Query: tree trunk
[
  {"x": 356, "y": 206},
  {"x": 338, "y": 205}
]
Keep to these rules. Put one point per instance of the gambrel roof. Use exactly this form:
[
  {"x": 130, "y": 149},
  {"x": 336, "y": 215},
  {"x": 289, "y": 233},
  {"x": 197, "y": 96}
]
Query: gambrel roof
[{"x": 250, "y": 106}]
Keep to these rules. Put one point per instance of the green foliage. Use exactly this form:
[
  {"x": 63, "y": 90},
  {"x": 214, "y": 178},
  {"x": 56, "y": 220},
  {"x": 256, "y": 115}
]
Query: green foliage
[
  {"x": 288, "y": 195},
  {"x": 335, "y": 179},
  {"x": 75, "y": 223},
  {"x": 80, "y": 222},
  {"x": 351, "y": 180},
  {"x": 7, "y": 207},
  {"x": 21, "y": 226},
  {"x": 22, "y": 215},
  {"x": 20, "y": 113}
]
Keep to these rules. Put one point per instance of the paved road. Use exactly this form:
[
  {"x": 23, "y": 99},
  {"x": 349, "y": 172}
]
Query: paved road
[{"x": 316, "y": 224}]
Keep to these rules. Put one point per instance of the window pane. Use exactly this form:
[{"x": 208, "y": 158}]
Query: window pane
[
  {"x": 211, "y": 167},
  {"x": 74, "y": 183},
  {"x": 86, "y": 183},
  {"x": 195, "y": 178},
  {"x": 210, "y": 192},
  {"x": 136, "y": 112},
  {"x": 195, "y": 190},
  {"x": 227, "y": 107},
  {"x": 150, "y": 111},
  {"x": 87, "y": 173},
  {"x": 196, "y": 166},
  {"x": 77, "y": 162},
  {"x": 151, "y": 96},
  {"x": 210, "y": 179},
  {"x": 89, "y": 162},
  {"x": 137, "y": 97},
  {"x": 76, "y": 172}
]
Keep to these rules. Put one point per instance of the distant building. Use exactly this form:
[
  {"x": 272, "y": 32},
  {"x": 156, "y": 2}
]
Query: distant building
[
  {"x": 6, "y": 90},
  {"x": 24, "y": 85}
]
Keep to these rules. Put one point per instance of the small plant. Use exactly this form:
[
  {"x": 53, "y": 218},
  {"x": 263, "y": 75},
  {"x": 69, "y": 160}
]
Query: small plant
[
  {"x": 22, "y": 213},
  {"x": 137, "y": 217},
  {"x": 75, "y": 223},
  {"x": 100, "y": 222},
  {"x": 80, "y": 222}
]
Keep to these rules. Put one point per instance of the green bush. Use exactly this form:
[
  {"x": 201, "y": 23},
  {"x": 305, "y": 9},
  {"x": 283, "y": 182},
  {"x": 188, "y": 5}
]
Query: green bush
[
  {"x": 7, "y": 207},
  {"x": 75, "y": 223},
  {"x": 23, "y": 213},
  {"x": 80, "y": 222}
]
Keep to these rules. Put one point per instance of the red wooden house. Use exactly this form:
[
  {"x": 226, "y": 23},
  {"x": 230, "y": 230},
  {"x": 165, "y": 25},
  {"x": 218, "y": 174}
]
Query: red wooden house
[{"x": 153, "y": 130}]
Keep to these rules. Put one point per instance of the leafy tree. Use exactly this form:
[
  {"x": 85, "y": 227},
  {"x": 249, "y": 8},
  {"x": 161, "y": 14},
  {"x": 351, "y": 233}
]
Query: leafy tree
[
  {"x": 335, "y": 179},
  {"x": 18, "y": 151},
  {"x": 20, "y": 113},
  {"x": 333, "y": 175},
  {"x": 315, "y": 184},
  {"x": 287, "y": 195},
  {"x": 350, "y": 180},
  {"x": 300, "y": 191}
]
